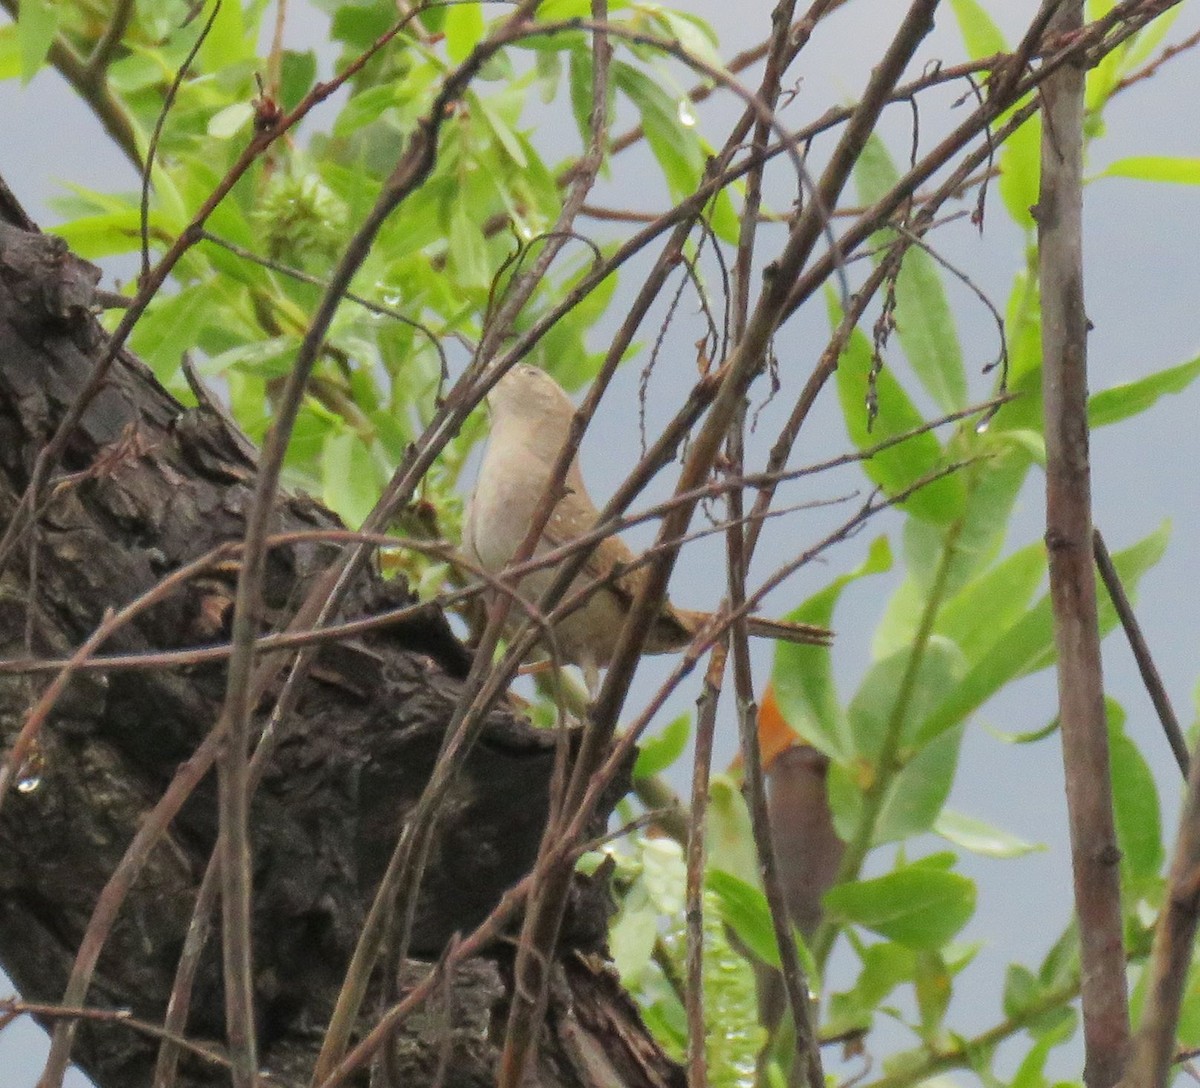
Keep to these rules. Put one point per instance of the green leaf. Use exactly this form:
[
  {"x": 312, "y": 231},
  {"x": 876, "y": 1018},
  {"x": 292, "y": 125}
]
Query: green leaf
[
  {"x": 803, "y": 675},
  {"x": 579, "y": 85},
  {"x": 980, "y": 35},
  {"x": 1175, "y": 170},
  {"x": 37, "y": 23},
  {"x": 1122, "y": 401},
  {"x": 918, "y": 907},
  {"x": 898, "y": 467},
  {"x": 349, "y": 484},
  {"x": 230, "y": 121},
  {"x": 730, "y": 840},
  {"x": 992, "y": 484},
  {"x": 1027, "y": 736},
  {"x": 1188, "y": 1031},
  {"x": 1148, "y": 39},
  {"x": 297, "y": 76},
  {"x": 933, "y": 987},
  {"x": 1023, "y": 991},
  {"x": 744, "y": 909},
  {"x": 468, "y": 248},
  {"x": 914, "y": 797},
  {"x": 500, "y": 128},
  {"x": 980, "y": 837},
  {"x": 924, "y": 321},
  {"x": 271, "y": 358},
  {"x": 674, "y": 144},
  {"x": 10, "y": 52},
  {"x": 1135, "y": 806},
  {"x": 693, "y": 33},
  {"x": 228, "y": 42},
  {"x": 884, "y": 967},
  {"x": 170, "y": 327},
  {"x": 103, "y": 235},
  {"x": 1020, "y": 171},
  {"x": 873, "y": 708},
  {"x": 632, "y": 933},
  {"x": 464, "y": 30},
  {"x": 1028, "y": 645},
  {"x": 364, "y": 108},
  {"x": 659, "y": 752},
  {"x": 976, "y": 616}
]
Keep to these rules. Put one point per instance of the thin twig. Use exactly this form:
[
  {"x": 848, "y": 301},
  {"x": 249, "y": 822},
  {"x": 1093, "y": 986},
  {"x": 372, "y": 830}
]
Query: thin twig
[
  {"x": 706, "y": 722},
  {"x": 1141, "y": 652},
  {"x": 156, "y": 135}
]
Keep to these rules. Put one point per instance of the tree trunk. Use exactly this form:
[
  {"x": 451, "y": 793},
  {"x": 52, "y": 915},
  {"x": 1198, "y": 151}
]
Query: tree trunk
[{"x": 143, "y": 487}]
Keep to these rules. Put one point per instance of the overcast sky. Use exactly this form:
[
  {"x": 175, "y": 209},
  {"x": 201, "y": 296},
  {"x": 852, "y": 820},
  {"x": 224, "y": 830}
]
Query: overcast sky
[{"x": 1143, "y": 283}]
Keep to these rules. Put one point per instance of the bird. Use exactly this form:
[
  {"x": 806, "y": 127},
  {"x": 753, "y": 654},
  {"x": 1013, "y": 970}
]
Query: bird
[{"x": 530, "y": 424}]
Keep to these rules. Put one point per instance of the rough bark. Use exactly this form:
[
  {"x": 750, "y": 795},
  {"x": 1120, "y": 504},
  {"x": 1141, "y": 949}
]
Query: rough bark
[{"x": 145, "y": 486}]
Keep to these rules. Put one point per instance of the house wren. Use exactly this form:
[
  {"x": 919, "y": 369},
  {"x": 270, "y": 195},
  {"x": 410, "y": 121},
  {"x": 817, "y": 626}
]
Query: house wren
[{"x": 531, "y": 418}]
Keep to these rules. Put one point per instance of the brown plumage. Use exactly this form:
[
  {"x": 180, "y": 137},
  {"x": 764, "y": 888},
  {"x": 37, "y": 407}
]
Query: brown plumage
[{"x": 531, "y": 417}]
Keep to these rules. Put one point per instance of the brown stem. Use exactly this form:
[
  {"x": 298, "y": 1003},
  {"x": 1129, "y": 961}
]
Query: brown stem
[
  {"x": 1094, "y": 851},
  {"x": 706, "y": 721}
]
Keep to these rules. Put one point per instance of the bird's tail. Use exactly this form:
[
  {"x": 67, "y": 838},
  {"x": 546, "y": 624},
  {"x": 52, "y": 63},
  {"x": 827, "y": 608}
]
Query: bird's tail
[{"x": 806, "y": 634}]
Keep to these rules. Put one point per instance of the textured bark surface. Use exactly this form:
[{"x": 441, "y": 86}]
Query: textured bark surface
[{"x": 145, "y": 486}]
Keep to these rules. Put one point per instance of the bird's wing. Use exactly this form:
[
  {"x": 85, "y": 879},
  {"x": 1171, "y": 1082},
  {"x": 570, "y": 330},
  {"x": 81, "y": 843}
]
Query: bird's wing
[{"x": 573, "y": 517}]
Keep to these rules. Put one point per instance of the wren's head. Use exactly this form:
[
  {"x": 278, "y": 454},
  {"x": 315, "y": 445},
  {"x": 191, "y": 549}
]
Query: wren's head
[{"x": 530, "y": 396}]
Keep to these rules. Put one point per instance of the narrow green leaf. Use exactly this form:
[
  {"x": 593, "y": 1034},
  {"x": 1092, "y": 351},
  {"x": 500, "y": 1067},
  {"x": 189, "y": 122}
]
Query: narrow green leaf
[
  {"x": 916, "y": 797},
  {"x": 228, "y": 42},
  {"x": 170, "y": 327},
  {"x": 917, "y": 907},
  {"x": 464, "y": 30},
  {"x": 37, "y": 23},
  {"x": 500, "y": 128},
  {"x": 873, "y": 707},
  {"x": 364, "y": 108},
  {"x": 659, "y": 752},
  {"x": 1028, "y": 645},
  {"x": 803, "y": 675},
  {"x": 1028, "y": 736},
  {"x": 730, "y": 840},
  {"x": 232, "y": 119},
  {"x": 1188, "y": 1031},
  {"x": 981, "y": 838},
  {"x": 976, "y": 616},
  {"x": 934, "y": 987},
  {"x": 1146, "y": 40},
  {"x": 298, "y": 74},
  {"x": 992, "y": 484},
  {"x": 675, "y": 145},
  {"x": 1020, "y": 171},
  {"x": 96, "y": 236},
  {"x": 885, "y": 966},
  {"x": 980, "y": 35},
  {"x": 1175, "y": 170},
  {"x": 1135, "y": 806},
  {"x": 579, "y": 84},
  {"x": 349, "y": 485},
  {"x": 693, "y": 33},
  {"x": 10, "y": 52},
  {"x": 924, "y": 320},
  {"x": 898, "y": 467},
  {"x": 632, "y": 934},
  {"x": 468, "y": 248},
  {"x": 1122, "y": 401},
  {"x": 744, "y": 909}
]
